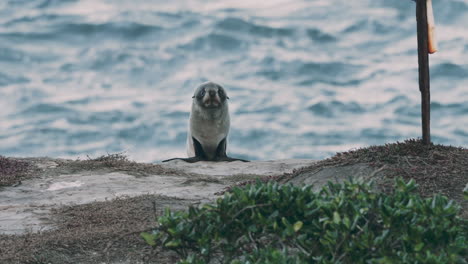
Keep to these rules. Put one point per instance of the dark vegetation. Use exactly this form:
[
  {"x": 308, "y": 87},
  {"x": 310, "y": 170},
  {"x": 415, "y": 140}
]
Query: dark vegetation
[
  {"x": 12, "y": 171},
  {"x": 343, "y": 223}
]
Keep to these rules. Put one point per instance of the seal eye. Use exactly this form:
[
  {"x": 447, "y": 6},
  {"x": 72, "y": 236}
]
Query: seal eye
[
  {"x": 222, "y": 94},
  {"x": 202, "y": 93}
]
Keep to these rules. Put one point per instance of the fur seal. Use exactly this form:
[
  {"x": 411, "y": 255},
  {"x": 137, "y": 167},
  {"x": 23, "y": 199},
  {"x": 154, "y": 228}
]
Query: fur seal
[{"x": 209, "y": 125}]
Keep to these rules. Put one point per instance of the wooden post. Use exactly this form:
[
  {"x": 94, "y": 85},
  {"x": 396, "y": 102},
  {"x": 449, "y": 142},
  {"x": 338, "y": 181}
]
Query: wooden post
[{"x": 423, "y": 60}]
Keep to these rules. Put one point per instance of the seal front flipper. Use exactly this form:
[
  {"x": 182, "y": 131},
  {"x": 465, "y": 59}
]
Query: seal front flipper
[
  {"x": 228, "y": 159},
  {"x": 221, "y": 153},
  {"x": 199, "y": 153},
  {"x": 189, "y": 160}
]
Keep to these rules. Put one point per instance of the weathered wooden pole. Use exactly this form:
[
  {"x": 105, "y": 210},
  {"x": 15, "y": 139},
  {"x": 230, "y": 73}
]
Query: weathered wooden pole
[{"x": 423, "y": 61}]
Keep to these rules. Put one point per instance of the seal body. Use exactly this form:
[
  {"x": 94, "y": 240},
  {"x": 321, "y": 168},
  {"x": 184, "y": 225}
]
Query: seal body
[
  {"x": 208, "y": 125},
  {"x": 208, "y": 129}
]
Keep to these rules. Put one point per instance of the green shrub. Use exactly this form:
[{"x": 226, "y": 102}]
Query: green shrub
[{"x": 342, "y": 223}]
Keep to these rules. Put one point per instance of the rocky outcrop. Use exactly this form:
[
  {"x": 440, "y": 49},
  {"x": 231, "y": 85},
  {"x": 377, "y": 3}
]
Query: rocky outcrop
[{"x": 26, "y": 206}]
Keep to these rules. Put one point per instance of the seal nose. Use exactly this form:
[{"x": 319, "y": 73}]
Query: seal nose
[{"x": 212, "y": 93}]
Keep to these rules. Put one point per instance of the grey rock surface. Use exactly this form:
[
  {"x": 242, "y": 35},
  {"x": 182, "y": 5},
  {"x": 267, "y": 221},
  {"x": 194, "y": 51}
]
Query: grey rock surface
[
  {"x": 26, "y": 207},
  {"x": 338, "y": 174}
]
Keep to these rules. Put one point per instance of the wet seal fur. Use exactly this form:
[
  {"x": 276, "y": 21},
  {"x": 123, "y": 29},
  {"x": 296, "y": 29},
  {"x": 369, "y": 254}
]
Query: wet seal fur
[{"x": 208, "y": 126}]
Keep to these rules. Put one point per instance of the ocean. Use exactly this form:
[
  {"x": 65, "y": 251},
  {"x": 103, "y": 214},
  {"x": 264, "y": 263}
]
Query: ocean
[{"x": 306, "y": 79}]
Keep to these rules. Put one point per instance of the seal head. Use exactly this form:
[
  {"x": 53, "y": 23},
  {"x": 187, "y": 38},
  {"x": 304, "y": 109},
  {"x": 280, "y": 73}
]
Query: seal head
[{"x": 210, "y": 95}]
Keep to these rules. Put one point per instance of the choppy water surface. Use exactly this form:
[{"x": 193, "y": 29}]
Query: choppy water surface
[{"x": 305, "y": 78}]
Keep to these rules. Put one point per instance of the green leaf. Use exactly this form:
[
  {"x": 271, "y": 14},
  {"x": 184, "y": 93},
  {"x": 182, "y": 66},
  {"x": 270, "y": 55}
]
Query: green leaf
[
  {"x": 465, "y": 192},
  {"x": 347, "y": 222},
  {"x": 324, "y": 219},
  {"x": 208, "y": 206},
  {"x": 419, "y": 246},
  {"x": 172, "y": 231},
  {"x": 204, "y": 251},
  {"x": 336, "y": 217},
  {"x": 410, "y": 203},
  {"x": 253, "y": 228},
  {"x": 298, "y": 225},
  {"x": 173, "y": 243},
  {"x": 149, "y": 238}
]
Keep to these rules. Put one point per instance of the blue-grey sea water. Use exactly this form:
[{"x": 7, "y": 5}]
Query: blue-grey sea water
[{"x": 305, "y": 79}]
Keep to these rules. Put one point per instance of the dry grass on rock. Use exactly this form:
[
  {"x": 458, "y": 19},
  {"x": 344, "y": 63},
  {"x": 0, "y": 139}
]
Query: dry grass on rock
[
  {"x": 113, "y": 162},
  {"x": 12, "y": 171},
  {"x": 99, "y": 232},
  {"x": 435, "y": 168}
]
